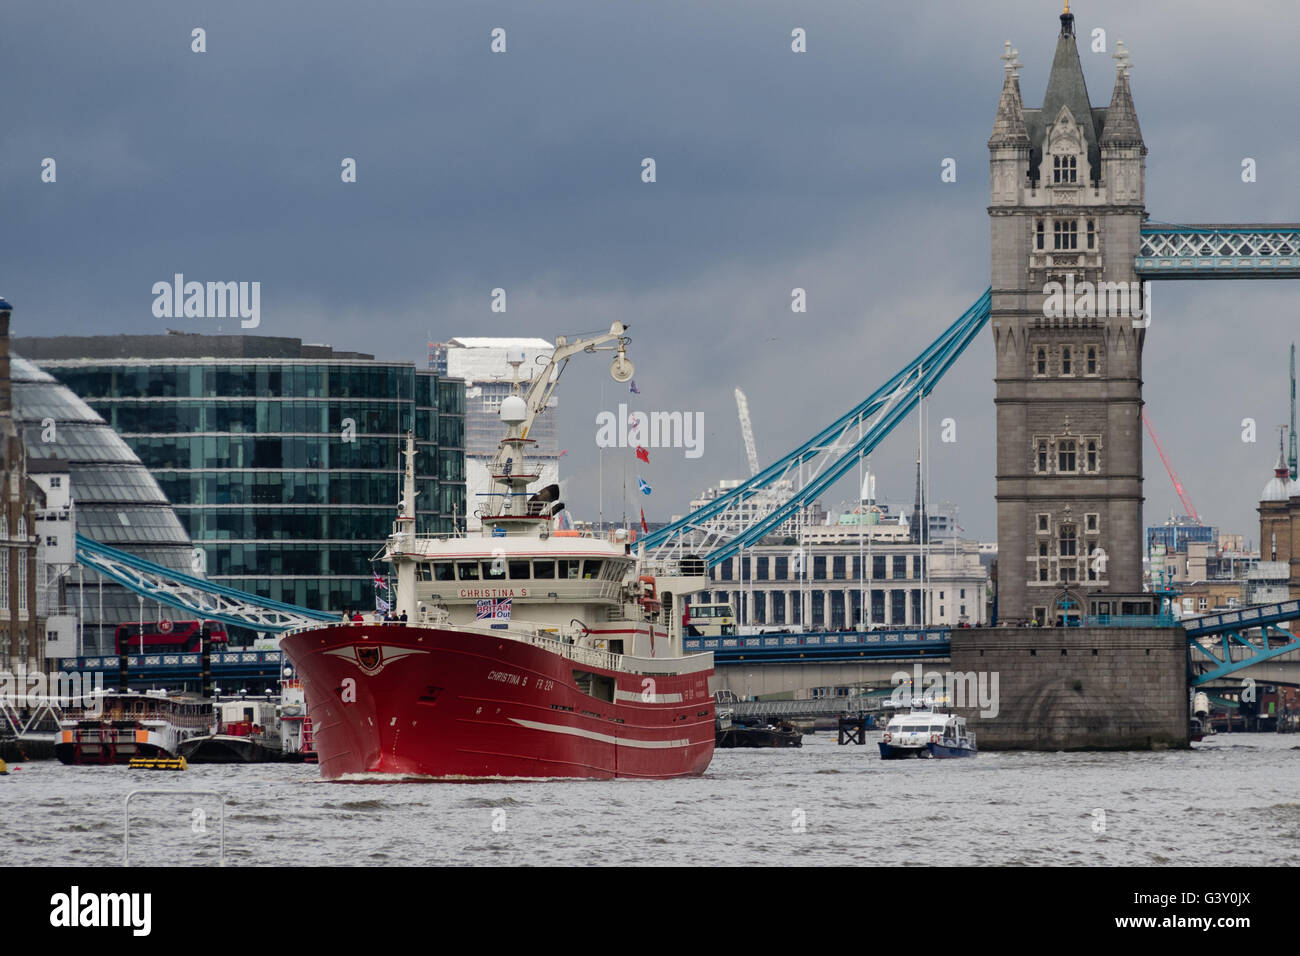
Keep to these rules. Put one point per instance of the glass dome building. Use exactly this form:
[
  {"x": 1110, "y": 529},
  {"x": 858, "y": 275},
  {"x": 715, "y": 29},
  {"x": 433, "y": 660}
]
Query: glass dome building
[{"x": 117, "y": 500}]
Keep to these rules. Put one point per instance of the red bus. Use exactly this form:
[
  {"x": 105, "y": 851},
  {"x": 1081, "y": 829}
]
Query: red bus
[{"x": 167, "y": 636}]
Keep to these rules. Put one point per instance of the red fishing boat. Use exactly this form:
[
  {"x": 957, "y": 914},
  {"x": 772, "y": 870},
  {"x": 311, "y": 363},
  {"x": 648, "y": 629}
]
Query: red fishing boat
[{"x": 524, "y": 651}]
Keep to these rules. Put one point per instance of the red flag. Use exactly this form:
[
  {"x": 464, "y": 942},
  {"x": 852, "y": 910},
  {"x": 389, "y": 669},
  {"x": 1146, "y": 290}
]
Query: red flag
[
  {"x": 643, "y": 454},
  {"x": 644, "y": 527}
]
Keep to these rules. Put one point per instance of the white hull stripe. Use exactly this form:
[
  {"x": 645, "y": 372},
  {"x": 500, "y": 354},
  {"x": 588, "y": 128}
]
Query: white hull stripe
[
  {"x": 642, "y": 698},
  {"x": 603, "y": 738}
]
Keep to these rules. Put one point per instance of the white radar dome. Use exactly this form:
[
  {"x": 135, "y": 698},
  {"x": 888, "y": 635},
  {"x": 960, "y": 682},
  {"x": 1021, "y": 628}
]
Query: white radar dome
[{"x": 513, "y": 410}]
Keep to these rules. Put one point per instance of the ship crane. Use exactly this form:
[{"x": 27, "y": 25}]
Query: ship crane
[
  {"x": 747, "y": 432},
  {"x": 1173, "y": 475},
  {"x": 543, "y": 386}
]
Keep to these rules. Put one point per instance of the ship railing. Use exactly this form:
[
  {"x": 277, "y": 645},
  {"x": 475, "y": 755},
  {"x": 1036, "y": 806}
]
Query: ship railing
[{"x": 540, "y": 635}]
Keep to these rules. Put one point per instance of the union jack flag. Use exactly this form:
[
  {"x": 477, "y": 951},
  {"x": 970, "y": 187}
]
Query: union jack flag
[{"x": 493, "y": 609}]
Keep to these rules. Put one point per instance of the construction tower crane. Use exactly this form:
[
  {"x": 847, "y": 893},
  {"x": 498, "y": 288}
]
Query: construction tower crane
[
  {"x": 747, "y": 430},
  {"x": 1173, "y": 475}
]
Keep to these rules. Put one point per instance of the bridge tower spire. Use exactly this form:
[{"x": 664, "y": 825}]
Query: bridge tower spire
[{"x": 1067, "y": 199}]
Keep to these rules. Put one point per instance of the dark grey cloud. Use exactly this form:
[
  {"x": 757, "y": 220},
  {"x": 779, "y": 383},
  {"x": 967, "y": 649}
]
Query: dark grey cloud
[{"x": 522, "y": 171}]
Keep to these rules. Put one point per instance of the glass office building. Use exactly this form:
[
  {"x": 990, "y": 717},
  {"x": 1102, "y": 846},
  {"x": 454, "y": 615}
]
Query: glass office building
[{"x": 282, "y": 460}]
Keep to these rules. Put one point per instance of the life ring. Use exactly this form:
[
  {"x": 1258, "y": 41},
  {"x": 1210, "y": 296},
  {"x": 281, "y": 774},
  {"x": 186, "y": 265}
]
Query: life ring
[{"x": 888, "y": 736}]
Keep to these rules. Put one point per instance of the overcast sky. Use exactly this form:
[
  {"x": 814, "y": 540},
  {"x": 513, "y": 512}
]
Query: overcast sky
[{"x": 522, "y": 170}]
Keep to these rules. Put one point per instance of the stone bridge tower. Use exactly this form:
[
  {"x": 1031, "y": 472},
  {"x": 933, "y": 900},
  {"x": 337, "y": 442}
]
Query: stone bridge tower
[{"x": 1068, "y": 193}]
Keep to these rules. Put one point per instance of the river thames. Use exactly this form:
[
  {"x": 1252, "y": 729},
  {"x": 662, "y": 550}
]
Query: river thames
[{"x": 1233, "y": 798}]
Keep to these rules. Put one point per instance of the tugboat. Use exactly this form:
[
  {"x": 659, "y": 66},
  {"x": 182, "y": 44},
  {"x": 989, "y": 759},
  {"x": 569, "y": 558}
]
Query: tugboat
[
  {"x": 121, "y": 726},
  {"x": 256, "y": 730},
  {"x": 518, "y": 652},
  {"x": 926, "y": 733}
]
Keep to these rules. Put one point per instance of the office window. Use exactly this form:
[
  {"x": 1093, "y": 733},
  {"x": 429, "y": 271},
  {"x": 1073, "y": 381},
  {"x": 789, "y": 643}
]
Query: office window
[
  {"x": 1039, "y": 233},
  {"x": 1092, "y": 360},
  {"x": 1090, "y": 522},
  {"x": 1067, "y": 355},
  {"x": 1042, "y": 523},
  {"x": 1042, "y": 457},
  {"x": 1092, "y": 454},
  {"x": 1092, "y": 234},
  {"x": 1042, "y": 361}
]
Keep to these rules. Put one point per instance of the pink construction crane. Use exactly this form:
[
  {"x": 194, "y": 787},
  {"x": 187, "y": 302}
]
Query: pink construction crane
[{"x": 1173, "y": 475}]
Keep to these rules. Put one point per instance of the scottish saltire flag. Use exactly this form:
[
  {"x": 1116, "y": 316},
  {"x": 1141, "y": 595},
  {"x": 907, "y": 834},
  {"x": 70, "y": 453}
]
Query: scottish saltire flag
[
  {"x": 493, "y": 609},
  {"x": 643, "y": 485}
]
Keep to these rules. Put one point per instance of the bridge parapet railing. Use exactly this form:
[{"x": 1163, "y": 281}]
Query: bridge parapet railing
[
  {"x": 815, "y": 707},
  {"x": 1130, "y": 620},
  {"x": 820, "y": 639}
]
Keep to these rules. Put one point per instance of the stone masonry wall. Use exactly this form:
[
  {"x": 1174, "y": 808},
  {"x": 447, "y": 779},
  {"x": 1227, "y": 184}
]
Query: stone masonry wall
[{"x": 1078, "y": 688}]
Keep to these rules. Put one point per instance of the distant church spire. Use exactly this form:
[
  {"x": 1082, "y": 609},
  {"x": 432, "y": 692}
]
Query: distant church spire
[{"x": 917, "y": 526}]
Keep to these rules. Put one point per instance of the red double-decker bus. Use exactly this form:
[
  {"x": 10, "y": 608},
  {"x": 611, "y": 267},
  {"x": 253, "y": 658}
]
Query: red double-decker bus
[{"x": 167, "y": 636}]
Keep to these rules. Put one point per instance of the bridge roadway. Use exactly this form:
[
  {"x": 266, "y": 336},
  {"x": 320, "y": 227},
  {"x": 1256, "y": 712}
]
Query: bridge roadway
[{"x": 1223, "y": 645}]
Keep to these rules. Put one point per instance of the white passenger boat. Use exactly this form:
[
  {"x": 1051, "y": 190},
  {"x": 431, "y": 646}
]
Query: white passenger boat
[{"x": 926, "y": 733}]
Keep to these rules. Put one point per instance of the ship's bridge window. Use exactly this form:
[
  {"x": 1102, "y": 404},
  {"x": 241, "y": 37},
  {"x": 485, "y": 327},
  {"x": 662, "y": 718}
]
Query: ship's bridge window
[
  {"x": 467, "y": 570},
  {"x": 519, "y": 570},
  {"x": 443, "y": 571},
  {"x": 569, "y": 567},
  {"x": 591, "y": 570},
  {"x": 424, "y": 571},
  {"x": 544, "y": 570},
  {"x": 493, "y": 569}
]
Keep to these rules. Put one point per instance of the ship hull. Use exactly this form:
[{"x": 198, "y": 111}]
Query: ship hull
[
  {"x": 428, "y": 702},
  {"x": 113, "y": 744},
  {"x": 227, "y": 748}
]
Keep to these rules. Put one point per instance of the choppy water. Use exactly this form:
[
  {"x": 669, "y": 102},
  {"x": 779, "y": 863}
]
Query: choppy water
[{"x": 1237, "y": 792}]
